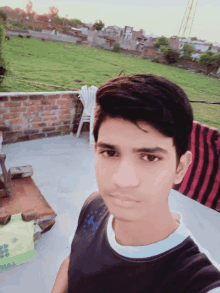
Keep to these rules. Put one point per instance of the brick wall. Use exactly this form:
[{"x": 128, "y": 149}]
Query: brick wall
[
  {"x": 40, "y": 24},
  {"x": 46, "y": 36},
  {"x": 131, "y": 52},
  {"x": 29, "y": 116},
  {"x": 174, "y": 43},
  {"x": 191, "y": 64},
  {"x": 150, "y": 52}
]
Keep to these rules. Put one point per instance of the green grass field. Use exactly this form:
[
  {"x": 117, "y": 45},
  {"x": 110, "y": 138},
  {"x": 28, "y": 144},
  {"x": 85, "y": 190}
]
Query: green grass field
[{"x": 72, "y": 66}]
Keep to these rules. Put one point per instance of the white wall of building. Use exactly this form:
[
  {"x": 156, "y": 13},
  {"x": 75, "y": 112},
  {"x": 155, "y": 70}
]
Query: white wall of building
[{"x": 128, "y": 33}]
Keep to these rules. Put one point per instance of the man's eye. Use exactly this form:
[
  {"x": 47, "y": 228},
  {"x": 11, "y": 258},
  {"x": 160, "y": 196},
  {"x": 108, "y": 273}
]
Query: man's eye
[
  {"x": 110, "y": 153},
  {"x": 151, "y": 158}
]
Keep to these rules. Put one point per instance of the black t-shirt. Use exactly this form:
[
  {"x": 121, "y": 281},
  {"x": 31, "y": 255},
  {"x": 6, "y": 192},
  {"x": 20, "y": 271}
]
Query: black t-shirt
[{"x": 99, "y": 264}]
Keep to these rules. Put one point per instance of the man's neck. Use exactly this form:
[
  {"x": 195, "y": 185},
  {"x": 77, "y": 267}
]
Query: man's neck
[{"x": 144, "y": 234}]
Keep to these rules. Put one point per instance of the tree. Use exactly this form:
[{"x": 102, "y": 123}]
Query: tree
[
  {"x": 163, "y": 48},
  {"x": 117, "y": 48},
  {"x": 19, "y": 12},
  {"x": 2, "y": 52},
  {"x": 162, "y": 41},
  {"x": 216, "y": 60},
  {"x": 59, "y": 20},
  {"x": 29, "y": 7},
  {"x": 187, "y": 52},
  {"x": 211, "y": 60},
  {"x": 44, "y": 18},
  {"x": 53, "y": 13},
  {"x": 3, "y": 16},
  {"x": 74, "y": 22},
  {"x": 210, "y": 47},
  {"x": 171, "y": 55},
  {"x": 34, "y": 16},
  {"x": 98, "y": 25}
]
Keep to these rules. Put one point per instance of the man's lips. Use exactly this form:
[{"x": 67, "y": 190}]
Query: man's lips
[{"x": 124, "y": 198}]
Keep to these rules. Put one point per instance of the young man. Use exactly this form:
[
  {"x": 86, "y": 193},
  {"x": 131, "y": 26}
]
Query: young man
[{"x": 127, "y": 239}]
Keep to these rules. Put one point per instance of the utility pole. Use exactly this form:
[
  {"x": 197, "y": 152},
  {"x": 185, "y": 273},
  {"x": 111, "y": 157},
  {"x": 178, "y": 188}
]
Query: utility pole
[{"x": 188, "y": 18}]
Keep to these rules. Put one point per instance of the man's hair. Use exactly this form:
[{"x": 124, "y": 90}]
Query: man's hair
[{"x": 149, "y": 98}]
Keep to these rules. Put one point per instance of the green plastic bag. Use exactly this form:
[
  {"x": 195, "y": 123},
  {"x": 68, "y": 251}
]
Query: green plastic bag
[{"x": 16, "y": 242}]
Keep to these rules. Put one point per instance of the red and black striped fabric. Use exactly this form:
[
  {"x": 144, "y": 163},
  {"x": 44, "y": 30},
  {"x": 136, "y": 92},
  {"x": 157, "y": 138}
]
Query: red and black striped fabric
[{"x": 202, "y": 179}]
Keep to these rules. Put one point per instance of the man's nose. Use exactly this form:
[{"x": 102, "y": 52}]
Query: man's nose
[{"x": 125, "y": 175}]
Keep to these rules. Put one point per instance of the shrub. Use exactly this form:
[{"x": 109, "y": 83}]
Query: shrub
[
  {"x": 183, "y": 67},
  {"x": 144, "y": 57},
  {"x": 156, "y": 60},
  {"x": 4, "y": 67},
  {"x": 171, "y": 55},
  {"x": 198, "y": 71},
  {"x": 20, "y": 36},
  {"x": 28, "y": 36},
  {"x": 37, "y": 29},
  {"x": 117, "y": 48}
]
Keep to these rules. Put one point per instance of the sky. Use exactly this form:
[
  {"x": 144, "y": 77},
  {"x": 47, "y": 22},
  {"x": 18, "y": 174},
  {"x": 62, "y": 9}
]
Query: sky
[{"x": 161, "y": 17}]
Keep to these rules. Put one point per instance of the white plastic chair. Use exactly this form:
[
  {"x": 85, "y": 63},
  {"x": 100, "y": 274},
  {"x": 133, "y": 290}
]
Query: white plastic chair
[{"x": 87, "y": 97}]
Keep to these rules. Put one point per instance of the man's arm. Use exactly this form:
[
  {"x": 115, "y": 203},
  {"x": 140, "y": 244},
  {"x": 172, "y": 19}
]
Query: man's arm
[{"x": 61, "y": 283}]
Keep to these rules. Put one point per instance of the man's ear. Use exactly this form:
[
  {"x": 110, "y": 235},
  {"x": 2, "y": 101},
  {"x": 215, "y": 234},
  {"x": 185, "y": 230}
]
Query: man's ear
[{"x": 182, "y": 168}]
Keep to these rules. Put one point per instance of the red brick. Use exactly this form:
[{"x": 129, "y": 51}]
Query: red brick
[
  {"x": 49, "y": 118},
  {"x": 56, "y": 133},
  {"x": 35, "y": 109},
  {"x": 4, "y": 99},
  {"x": 32, "y": 103},
  {"x": 36, "y": 125},
  {"x": 10, "y": 116},
  {"x": 18, "y": 121},
  {"x": 65, "y": 96},
  {"x": 66, "y": 106},
  {"x": 31, "y": 131},
  {"x": 51, "y": 108},
  {"x": 37, "y": 136},
  {"x": 49, "y": 129},
  {"x": 37, "y": 97},
  {"x": 66, "y": 111},
  {"x": 18, "y": 127},
  {"x": 18, "y": 110},
  {"x": 27, "y": 114},
  {"x": 64, "y": 117},
  {"x": 47, "y": 113},
  {"x": 3, "y": 111},
  {"x": 46, "y": 102},
  {"x": 19, "y": 98},
  {"x": 63, "y": 128},
  {"x": 12, "y": 104},
  {"x": 54, "y": 123},
  {"x": 53, "y": 97},
  {"x": 65, "y": 102},
  {"x": 36, "y": 119}
]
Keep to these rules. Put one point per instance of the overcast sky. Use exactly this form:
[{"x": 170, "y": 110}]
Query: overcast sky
[{"x": 161, "y": 17}]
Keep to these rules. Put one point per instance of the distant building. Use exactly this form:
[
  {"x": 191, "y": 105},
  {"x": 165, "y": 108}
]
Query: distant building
[
  {"x": 128, "y": 33},
  {"x": 200, "y": 46}
]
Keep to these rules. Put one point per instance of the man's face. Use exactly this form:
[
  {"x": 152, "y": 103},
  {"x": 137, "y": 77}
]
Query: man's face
[{"x": 145, "y": 177}]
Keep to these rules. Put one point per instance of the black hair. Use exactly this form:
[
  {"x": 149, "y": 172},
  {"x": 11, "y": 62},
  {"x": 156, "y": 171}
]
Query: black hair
[{"x": 150, "y": 98}]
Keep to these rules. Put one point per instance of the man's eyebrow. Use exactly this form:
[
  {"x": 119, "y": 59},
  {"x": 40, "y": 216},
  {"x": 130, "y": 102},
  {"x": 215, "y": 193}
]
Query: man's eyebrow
[{"x": 141, "y": 150}]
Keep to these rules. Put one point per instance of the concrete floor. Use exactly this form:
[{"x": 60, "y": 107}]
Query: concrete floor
[{"x": 64, "y": 172}]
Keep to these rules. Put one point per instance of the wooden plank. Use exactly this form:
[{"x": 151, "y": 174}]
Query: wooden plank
[{"x": 26, "y": 199}]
